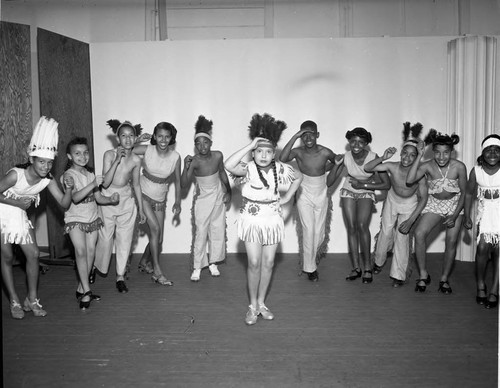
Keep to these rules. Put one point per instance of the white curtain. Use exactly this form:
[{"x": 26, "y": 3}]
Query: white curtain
[{"x": 472, "y": 68}]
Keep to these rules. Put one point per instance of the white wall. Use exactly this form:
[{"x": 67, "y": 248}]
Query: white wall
[{"x": 339, "y": 83}]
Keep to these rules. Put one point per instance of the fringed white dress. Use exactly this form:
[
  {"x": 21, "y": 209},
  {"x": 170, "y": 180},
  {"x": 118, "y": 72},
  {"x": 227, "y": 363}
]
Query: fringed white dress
[
  {"x": 261, "y": 217},
  {"x": 14, "y": 222},
  {"x": 488, "y": 210}
]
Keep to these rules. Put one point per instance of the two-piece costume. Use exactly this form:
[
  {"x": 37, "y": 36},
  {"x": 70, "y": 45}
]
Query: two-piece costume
[
  {"x": 156, "y": 171},
  {"x": 261, "y": 218},
  {"x": 14, "y": 223},
  {"x": 442, "y": 207},
  {"x": 312, "y": 206},
  {"x": 396, "y": 210},
  {"x": 488, "y": 211},
  {"x": 357, "y": 172},
  {"x": 83, "y": 214},
  {"x": 209, "y": 213}
]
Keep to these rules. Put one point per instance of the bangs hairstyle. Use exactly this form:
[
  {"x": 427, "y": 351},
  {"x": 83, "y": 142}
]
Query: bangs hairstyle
[
  {"x": 73, "y": 142},
  {"x": 168, "y": 127},
  {"x": 480, "y": 158},
  {"x": 361, "y": 133},
  {"x": 437, "y": 138}
]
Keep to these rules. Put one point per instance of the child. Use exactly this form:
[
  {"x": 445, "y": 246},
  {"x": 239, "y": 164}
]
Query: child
[
  {"x": 402, "y": 205},
  {"x": 19, "y": 188},
  {"x": 209, "y": 210},
  {"x": 312, "y": 201},
  {"x": 485, "y": 180},
  {"x": 357, "y": 197},
  {"x": 120, "y": 165},
  {"x": 82, "y": 220},
  {"x": 446, "y": 181},
  {"x": 159, "y": 163},
  {"x": 261, "y": 224}
]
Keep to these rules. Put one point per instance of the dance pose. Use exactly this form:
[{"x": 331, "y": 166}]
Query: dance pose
[
  {"x": 402, "y": 206},
  {"x": 159, "y": 163},
  {"x": 19, "y": 189},
  {"x": 260, "y": 224},
  {"x": 82, "y": 220},
  {"x": 357, "y": 197},
  {"x": 312, "y": 201},
  {"x": 213, "y": 193},
  {"x": 446, "y": 180},
  {"x": 120, "y": 166},
  {"x": 484, "y": 179}
]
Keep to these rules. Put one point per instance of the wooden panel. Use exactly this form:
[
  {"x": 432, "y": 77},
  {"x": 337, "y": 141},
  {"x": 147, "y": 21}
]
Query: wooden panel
[
  {"x": 65, "y": 95},
  {"x": 16, "y": 121}
]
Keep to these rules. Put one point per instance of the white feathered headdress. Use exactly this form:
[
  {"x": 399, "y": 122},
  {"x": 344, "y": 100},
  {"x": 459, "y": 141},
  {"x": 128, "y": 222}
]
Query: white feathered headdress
[{"x": 44, "y": 139}]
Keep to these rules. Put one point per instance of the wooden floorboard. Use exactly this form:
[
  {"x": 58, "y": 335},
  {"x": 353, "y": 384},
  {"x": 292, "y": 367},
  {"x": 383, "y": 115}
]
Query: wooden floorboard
[{"x": 331, "y": 333}]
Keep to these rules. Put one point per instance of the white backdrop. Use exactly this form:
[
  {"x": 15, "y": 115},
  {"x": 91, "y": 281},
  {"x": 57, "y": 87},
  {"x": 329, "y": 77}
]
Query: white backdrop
[{"x": 377, "y": 83}]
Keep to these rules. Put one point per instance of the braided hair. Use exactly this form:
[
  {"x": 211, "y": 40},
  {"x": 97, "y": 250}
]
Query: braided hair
[{"x": 275, "y": 173}]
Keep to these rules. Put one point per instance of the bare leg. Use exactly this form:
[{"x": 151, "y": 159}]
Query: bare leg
[
  {"x": 7, "y": 276},
  {"x": 79, "y": 241},
  {"x": 482, "y": 255},
  {"x": 266, "y": 271},
  {"x": 494, "y": 286},
  {"x": 32, "y": 253},
  {"x": 349, "y": 210},
  {"x": 364, "y": 212},
  {"x": 154, "y": 232},
  {"x": 425, "y": 225},
  {"x": 254, "y": 254},
  {"x": 450, "y": 249}
]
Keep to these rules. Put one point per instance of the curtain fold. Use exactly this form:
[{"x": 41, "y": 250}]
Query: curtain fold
[{"x": 471, "y": 95}]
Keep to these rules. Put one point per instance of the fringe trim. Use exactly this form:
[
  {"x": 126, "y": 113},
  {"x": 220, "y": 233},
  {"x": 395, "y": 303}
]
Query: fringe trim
[
  {"x": 87, "y": 227},
  {"x": 263, "y": 234},
  {"x": 155, "y": 205},
  {"x": 155, "y": 179},
  {"x": 35, "y": 198},
  {"x": 490, "y": 238},
  {"x": 17, "y": 238}
]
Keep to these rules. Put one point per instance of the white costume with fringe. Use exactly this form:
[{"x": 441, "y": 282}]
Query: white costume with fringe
[
  {"x": 209, "y": 214},
  {"x": 488, "y": 211},
  {"x": 14, "y": 222},
  {"x": 156, "y": 171},
  {"x": 83, "y": 214},
  {"x": 260, "y": 213},
  {"x": 312, "y": 206}
]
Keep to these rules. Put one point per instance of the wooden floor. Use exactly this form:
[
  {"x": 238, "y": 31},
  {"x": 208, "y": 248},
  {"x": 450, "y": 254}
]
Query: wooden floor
[{"x": 332, "y": 333}]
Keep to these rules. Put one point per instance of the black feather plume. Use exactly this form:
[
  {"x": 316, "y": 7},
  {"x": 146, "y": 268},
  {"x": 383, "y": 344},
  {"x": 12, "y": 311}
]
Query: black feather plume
[
  {"x": 203, "y": 125},
  {"x": 266, "y": 126},
  {"x": 114, "y": 124}
]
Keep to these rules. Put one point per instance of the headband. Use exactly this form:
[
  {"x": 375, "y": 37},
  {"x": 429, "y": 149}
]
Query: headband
[
  {"x": 410, "y": 142},
  {"x": 204, "y": 134},
  {"x": 492, "y": 141},
  {"x": 265, "y": 144}
]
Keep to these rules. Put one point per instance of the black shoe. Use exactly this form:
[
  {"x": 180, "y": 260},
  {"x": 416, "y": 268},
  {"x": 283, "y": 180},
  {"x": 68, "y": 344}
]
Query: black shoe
[
  {"x": 93, "y": 296},
  {"x": 481, "y": 299},
  {"x": 396, "y": 283},
  {"x": 92, "y": 275},
  {"x": 489, "y": 304},
  {"x": 366, "y": 279},
  {"x": 355, "y": 273},
  {"x": 121, "y": 286},
  {"x": 420, "y": 288},
  {"x": 85, "y": 304},
  {"x": 313, "y": 276},
  {"x": 445, "y": 290},
  {"x": 376, "y": 269}
]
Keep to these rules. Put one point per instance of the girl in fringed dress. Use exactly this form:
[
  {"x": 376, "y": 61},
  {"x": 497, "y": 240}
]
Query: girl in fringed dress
[
  {"x": 485, "y": 180},
  {"x": 19, "y": 188},
  {"x": 82, "y": 219},
  {"x": 213, "y": 193},
  {"x": 260, "y": 224}
]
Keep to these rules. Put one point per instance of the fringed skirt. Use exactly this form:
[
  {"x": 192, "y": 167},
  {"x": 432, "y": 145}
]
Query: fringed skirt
[
  {"x": 489, "y": 221},
  {"x": 87, "y": 227},
  {"x": 14, "y": 225},
  {"x": 261, "y": 222},
  {"x": 155, "y": 205}
]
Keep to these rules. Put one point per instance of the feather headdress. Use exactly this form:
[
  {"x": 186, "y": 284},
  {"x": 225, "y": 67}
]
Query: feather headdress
[
  {"x": 266, "y": 126},
  {"x": 203, "y": 127},
  {"x": 411, "y": 133},
  {"x": 44, "y": 139},
  {"x": 116, "y": 125}
]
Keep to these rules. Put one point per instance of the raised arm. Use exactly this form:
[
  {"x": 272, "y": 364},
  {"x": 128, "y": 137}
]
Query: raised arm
[
  {"x": 287, "y": 153},
  {"x": 110, "y": 164},
  {"x": 187, "y": 171},
  {"x": 232, "y": 163},
  {"x": 417, "y": 169},
  {"x": 375, "y": 164},
  {"x": 470, "y": 194}
]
